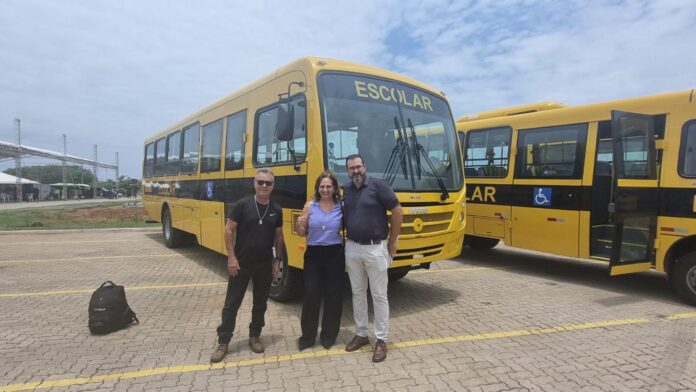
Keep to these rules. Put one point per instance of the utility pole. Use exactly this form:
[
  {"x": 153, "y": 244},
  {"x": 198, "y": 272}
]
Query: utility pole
[
  {"x": 18, "y": 162},
  {"x": 94, "y": 170},
  {"x": 118, "y": 185},
  {"x": 65, "y": 168}
]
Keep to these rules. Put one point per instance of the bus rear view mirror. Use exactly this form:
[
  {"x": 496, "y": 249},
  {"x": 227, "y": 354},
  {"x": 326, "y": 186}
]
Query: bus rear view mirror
[{"x": 285, "y": 122}]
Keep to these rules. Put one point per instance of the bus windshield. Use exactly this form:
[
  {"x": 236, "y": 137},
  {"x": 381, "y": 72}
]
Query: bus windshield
[{"x": 406, "y": 135}]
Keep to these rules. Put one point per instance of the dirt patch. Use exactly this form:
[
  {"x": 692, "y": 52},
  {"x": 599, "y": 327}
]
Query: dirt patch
[{"x": 117, "y": 213}]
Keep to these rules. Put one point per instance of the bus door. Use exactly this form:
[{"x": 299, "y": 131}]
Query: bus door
[
  {"x": 635, "y": 201},
  {"x": 546, "y": 195}
]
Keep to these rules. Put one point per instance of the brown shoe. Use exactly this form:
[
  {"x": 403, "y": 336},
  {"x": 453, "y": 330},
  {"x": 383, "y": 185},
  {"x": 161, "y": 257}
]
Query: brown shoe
[
  {"x": 256, "y": 345},
  {"x": 380, "y": 353},
  {"x": 357, "y": 342},
  {"x": 219, "y": 353}
]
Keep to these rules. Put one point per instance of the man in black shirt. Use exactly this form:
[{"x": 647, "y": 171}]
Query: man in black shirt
[
  {"x": 254, "y": 227},
  {"x": 370, "y": 248}
]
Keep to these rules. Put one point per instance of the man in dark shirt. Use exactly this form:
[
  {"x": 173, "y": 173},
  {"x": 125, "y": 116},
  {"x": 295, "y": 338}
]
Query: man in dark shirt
[
  {"x": 254, "y": 227},
  {"x": 370, "y": 248}
]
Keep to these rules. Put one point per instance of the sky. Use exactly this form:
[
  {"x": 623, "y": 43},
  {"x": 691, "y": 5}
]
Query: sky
[{"x": 114, "y": 72}]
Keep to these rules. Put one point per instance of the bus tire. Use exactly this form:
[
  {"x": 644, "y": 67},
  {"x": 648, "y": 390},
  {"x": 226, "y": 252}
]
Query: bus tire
[
  {"x": 683, "y": 277},
  {"x": 173, "y": 237},
  {"x": 287, "y": 285},
  {"x": 398, "y": 274},
  {"x": 480, "y": 243}
]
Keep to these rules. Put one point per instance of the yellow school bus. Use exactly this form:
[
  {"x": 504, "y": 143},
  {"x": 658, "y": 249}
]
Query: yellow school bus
[
  {"x": 612, "y": 181},
  {"x": 300, "y": 120}
]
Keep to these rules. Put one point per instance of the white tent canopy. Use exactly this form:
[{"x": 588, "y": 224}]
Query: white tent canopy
[{"x": 8, "y": 179}]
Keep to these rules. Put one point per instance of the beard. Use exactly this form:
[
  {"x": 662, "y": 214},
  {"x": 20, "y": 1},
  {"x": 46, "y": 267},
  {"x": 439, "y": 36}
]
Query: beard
[{"x": 358, "y": 180}]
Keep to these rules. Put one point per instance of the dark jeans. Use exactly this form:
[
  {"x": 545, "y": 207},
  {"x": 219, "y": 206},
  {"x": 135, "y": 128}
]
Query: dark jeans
[
  {"x": 260, "y": 276},
  {"x": 324, "y": 274}
]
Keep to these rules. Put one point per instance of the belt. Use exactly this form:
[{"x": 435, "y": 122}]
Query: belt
[{"x": 368, "y": 242}]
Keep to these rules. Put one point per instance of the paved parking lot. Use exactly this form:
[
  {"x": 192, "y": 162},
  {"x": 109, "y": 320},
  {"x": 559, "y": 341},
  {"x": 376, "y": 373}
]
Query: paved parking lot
[{"x": 503, "y": 320}]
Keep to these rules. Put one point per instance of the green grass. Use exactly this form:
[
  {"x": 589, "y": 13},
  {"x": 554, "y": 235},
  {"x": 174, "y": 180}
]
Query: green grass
[{"x": 83, "y": 216}]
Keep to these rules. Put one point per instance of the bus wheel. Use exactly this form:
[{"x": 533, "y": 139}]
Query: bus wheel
[
  {"x": 480, "y": 243},
  {"x": 398, "y": 274},
  {"x": 683, "y": 277},
  {"x": 287, "y": 285},
  {"x": 173, "y": 237}
]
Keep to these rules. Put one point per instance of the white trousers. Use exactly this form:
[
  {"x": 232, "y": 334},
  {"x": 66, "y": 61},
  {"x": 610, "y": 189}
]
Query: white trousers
[{"x": 369, "y": 264}]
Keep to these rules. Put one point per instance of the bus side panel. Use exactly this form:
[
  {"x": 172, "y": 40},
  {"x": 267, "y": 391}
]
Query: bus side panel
[
  {"x": 488, "y": 220},
  {"x": 584, "y": 235},
  {"x": 212, "y": 225},
  {"x": 295, "y": 245},
  {"x": 669, "y": 231},
  {"x": 546, "y": 230},
  {"x": 153, "y": 208}
]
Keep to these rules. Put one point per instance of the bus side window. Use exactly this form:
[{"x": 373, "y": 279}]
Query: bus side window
[
  {"x": 212, "y": 145},
  {"x": 189, "y": 150},
  {"x": 487, "y": 152},
  {"x": 236, "y": 127},
  {"x": 552, "y": 152},
  {"x": 149, "y": 165},
  {"x": 687, "y": 156},
  {"x": 268, "y": 149}
]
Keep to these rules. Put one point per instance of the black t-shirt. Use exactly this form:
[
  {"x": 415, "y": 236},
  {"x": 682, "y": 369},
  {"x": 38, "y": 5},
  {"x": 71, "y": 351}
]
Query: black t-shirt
[{"x": 256, "y": 226}]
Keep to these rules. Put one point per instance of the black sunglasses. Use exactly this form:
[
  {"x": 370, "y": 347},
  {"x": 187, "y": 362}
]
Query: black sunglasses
[{"x": 262, "y": 183}]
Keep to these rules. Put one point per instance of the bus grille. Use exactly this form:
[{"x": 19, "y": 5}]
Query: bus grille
[{"x": 426, "y": 223}]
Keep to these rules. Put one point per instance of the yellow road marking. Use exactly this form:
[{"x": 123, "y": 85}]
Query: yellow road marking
[
  {"x": 177, "y": 286},
  {"x": 82, "y": 291},
  {"x": 680, "y": 316},
  {"x": 323, "y": 353},
  {"x": 61, "y": 242},
  {"x": 98, "y": 258}
]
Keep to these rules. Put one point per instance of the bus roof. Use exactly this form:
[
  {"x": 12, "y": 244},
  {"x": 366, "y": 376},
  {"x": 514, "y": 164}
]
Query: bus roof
[
  {"x": 309, "y": 66},
  {"x": 591, "y": 112},
  {"x": 512, "y": 111}
]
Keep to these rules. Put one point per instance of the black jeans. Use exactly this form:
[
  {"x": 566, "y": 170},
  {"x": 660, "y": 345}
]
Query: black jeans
[
  {"x": 260, "y": 276},
  {"x": 324, "y": 274}
]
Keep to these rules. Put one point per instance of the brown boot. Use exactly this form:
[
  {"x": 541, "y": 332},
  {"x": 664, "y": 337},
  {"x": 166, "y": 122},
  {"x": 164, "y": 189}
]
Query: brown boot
[
  {"x": 219, "y": 353},
  {"x": 380, "y": 353},
  {"x": 256, "y": 345},
  {"x": 357, "y": 342}
]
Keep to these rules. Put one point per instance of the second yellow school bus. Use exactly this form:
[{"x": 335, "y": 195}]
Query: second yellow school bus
[
  {"x": 612, "y": 181},
  {"x": 300, "y": 120}
]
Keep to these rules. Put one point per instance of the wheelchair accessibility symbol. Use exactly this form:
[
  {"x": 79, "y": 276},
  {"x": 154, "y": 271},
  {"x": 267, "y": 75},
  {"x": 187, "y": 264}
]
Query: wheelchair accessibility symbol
[
  {"x": 209, "y": 186},
  {"x": 542, "y": 196}
]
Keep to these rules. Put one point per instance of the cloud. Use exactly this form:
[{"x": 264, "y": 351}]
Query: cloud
[{"x": 113, "y": 73}]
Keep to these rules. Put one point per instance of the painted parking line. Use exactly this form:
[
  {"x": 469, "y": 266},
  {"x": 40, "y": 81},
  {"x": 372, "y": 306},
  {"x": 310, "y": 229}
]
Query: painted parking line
[
  {"x": 680, "y": 316},
  {"x": 185, "y": 285},
  {"x": 98, "y": 258},
  {"x": 177, "y": 370},
  {"x": 135, "y": 288},
  {"x": 61, "y": 242}
]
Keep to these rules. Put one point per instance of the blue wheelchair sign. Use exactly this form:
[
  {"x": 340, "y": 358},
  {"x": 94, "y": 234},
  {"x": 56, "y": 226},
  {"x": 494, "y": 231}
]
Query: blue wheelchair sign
[
  {"x": 542, "y": 196},
  {"x": 209, "y": 186}
]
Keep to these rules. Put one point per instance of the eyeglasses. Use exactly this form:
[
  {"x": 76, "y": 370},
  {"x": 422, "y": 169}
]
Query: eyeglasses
[{"x": 262, "y": 183}]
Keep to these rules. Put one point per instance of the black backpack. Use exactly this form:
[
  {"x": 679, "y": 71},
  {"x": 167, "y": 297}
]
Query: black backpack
[{"x": 109, "y": 310}]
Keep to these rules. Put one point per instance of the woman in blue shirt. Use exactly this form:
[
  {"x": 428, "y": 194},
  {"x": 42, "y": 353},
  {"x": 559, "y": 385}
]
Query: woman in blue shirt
[{"x": 324, "y": 263}]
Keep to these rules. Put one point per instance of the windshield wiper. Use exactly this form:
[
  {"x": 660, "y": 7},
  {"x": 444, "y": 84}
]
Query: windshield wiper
[
  {"x": 397, "y": 157},
  {"x": 420, "y": 151}
]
